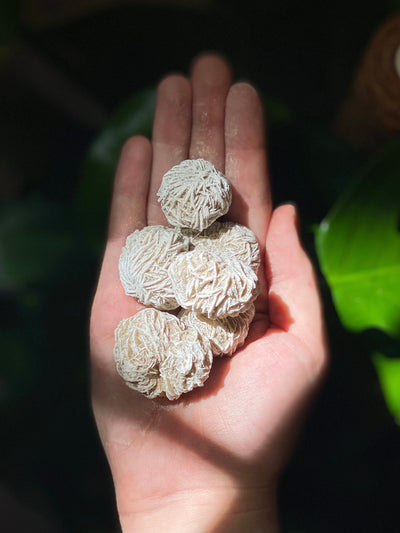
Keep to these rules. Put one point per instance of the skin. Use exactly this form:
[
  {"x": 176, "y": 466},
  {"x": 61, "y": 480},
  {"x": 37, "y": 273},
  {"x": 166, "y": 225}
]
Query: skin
[{"x": 210, "y": 461}]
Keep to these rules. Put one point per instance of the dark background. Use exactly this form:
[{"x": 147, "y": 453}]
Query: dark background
[{"x": 62, "y": 77}]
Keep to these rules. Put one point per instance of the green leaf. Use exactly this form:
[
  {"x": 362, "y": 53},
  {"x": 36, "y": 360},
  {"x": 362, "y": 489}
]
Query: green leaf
[
  {"x": 388, "y": 371},
  {"x": 93, "y": 200},
  {"x": 358, "y": 246}
]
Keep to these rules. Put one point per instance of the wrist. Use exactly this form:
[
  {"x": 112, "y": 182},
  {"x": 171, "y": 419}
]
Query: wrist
[{"x": 205, "y": 511}]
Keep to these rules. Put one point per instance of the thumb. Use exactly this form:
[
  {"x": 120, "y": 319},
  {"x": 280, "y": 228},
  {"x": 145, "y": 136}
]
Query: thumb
[{"x": 293, "y": 284}]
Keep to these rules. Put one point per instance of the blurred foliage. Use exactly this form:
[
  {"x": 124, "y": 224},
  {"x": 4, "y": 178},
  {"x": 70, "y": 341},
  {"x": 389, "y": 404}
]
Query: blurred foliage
[
  {"x": 36, "y": 238},
  {"x": 358, "y": 245},
  {"x": 389, "y": 374}
]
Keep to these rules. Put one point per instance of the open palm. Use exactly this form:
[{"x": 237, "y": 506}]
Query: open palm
[{"x": 233, "y": 435}]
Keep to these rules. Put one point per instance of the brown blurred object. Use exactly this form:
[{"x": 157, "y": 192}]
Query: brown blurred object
[
  {"x": 370, "y": 115},
  {"x": 38, "y": 14}
]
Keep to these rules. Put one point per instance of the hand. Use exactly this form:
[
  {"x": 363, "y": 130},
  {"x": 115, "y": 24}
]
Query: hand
[{"x": 211, "y": 460}]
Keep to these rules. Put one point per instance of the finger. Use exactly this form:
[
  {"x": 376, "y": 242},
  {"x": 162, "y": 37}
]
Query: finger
[
  {"x": 211, "y": 79},
  {"x": 128, "y": 206},
  {"x": 171, "y": 136},
  {"x": 246, "y": 169},
  {"x": 128, "y": 212},
  {"x": 295, "y": 304},
  {"x": 246, "y": 160}
]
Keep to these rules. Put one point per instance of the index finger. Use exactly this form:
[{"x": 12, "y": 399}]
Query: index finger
[
  {"x": 246, "y": 169},
  {"x": 246, "y": 160}
]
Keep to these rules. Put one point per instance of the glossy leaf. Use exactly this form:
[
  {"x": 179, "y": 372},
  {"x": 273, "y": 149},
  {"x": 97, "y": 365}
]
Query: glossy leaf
[
  {"x": 358, "y": 246},
  {"x": 388, "y": 370}
]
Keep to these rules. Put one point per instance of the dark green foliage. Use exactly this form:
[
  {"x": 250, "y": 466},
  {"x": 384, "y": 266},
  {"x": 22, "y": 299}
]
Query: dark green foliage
[{"x": 358, "y": 246}]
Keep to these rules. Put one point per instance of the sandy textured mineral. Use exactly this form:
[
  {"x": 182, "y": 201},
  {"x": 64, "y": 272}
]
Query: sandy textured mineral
[
  {"x": 207, "y": 267},
  {"x": 194, "y": 194},
  {"x": 214, "y": 284},
  {"x": 158, "y": 355},
  {"x": 226, "y": 335},
  {"x": 231, "y": 238},
  {"x": 144, "y": 264}
]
